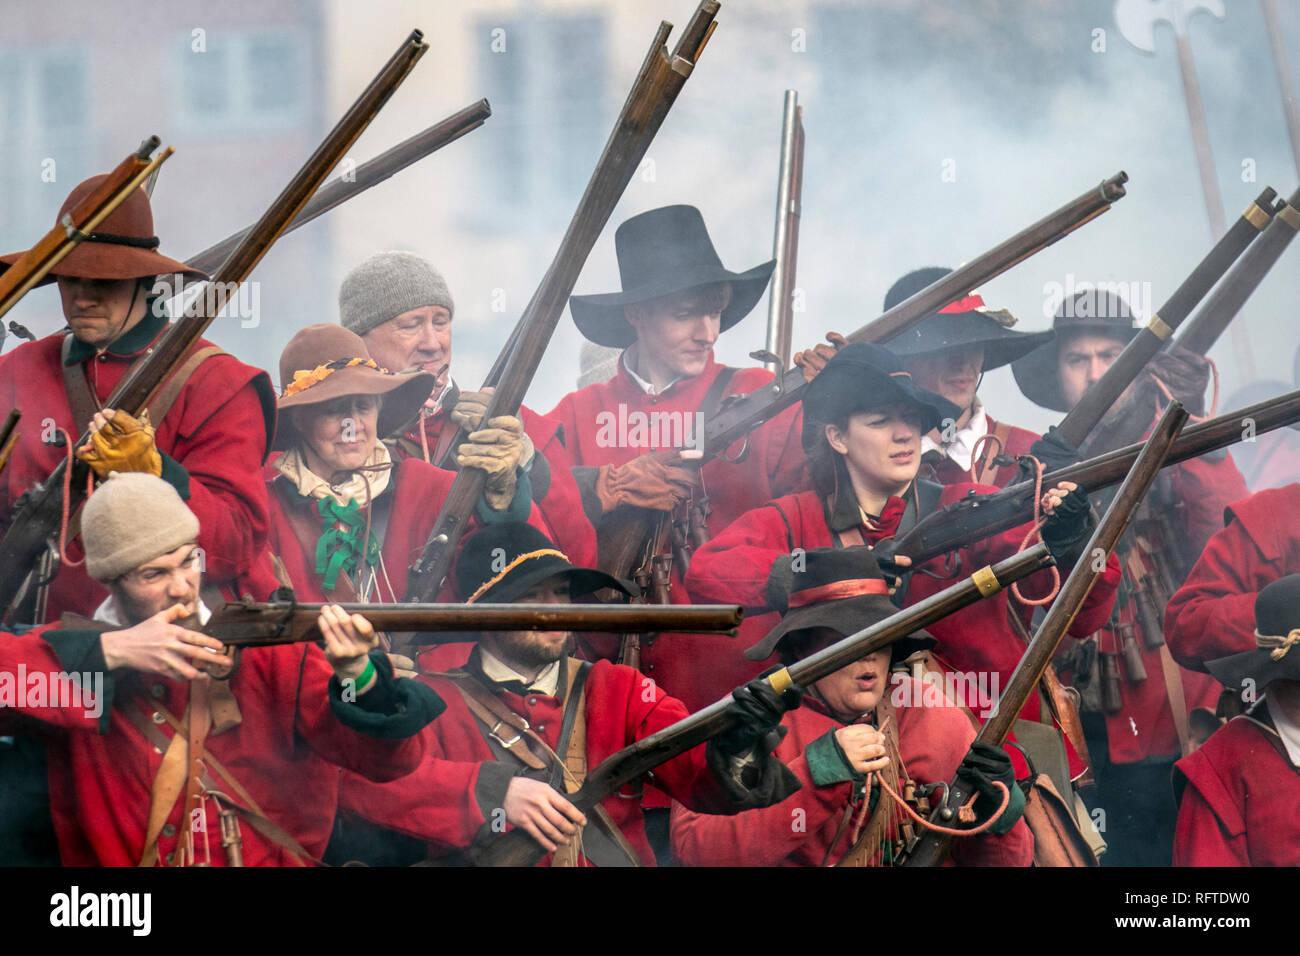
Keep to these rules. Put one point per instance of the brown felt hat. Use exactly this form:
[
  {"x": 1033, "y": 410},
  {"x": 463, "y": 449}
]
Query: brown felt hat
[
  {"x": 324, "y": 362},
  {"x": 123, "y": 247}
]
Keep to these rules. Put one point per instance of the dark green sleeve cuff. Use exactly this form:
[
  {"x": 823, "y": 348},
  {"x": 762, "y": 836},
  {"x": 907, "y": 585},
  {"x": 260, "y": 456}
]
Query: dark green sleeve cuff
[
  {"x": 82, "y": 652},
  {"x": 174, "y": 473},
  {"x": 520, "y": 506},
  {"x": 828, "y": 763},
  {"x": 1014, "y": 811},
  {"x": 393, "y": 708},
  {"x": 490, "y": 788}
]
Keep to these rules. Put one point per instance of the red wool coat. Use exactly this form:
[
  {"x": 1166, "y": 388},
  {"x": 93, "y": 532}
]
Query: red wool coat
[
  {"x": 1213, "y": 614},
  {"x": 218, "y": 430},
  {"x": 1238, "y": 801},
  {"x": 560, "y": 508},
  {"x": 457, "y": 788},
  {"x": 948, "y": 472},
  {"x": 931, "y": 741},
  {"x": 697, "y": 670},
  {"x": 286, "y": 752},
  {"x": 735, "y": 566},
  {"x": 27, "y": 662}
]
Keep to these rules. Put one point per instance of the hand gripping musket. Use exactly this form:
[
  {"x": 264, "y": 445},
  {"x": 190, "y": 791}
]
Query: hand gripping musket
[
  {"x": 661, "y": 78},
  {"x": 933, "y": 847},
  {"x": 785, "y": 244},
  {"x": 79, "y": 222},
  {"x": 9, "y": 437},
  {"x": 517, "y": 848},
  {"x": 1204, "y": 329},
  {"x": 34, "y": 524},
  {"x": 1104, "y": 392},
  {"x": 978, "y": 516},
  {"x": 370, "y": 173}
]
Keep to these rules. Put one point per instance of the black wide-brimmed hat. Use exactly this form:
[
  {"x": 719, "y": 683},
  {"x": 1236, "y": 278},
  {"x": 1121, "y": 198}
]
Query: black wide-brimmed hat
[
  {"x": 966, "y": 323},
  {"x": 503, "y": 561},
  {"x": 841, "y": 589},
  {"x": 1090, "y": 311},
  {"x": 862, "y": 376},
  {"x": 1277, "y": 634},
  {"x": 662, "y": 252}
]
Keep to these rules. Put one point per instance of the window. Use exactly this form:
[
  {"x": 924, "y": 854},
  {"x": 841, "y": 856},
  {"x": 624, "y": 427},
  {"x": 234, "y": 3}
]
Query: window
[{"x": 241, "y": 81}]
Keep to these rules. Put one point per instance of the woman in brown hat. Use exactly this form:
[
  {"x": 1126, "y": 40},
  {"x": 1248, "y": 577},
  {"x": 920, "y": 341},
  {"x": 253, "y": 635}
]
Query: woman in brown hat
[{"x": 346, "y": 520}]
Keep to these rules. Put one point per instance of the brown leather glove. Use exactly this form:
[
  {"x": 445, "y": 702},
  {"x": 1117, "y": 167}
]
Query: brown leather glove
[
  {"x": 498, "y": 450},
  {"x": 468, "y": 414},
  {"x": 121, "y": 443},
  {"x": 813, "y": 360},
  {"x": 648, "y": 481}
]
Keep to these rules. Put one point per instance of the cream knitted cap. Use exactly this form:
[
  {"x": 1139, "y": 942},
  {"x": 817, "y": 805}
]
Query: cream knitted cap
[{"x": 133, "y": 518}]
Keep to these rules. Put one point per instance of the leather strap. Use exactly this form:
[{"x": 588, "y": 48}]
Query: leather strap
[
  {"x": 81, "y": 398},
  {"x": 987, "y": 469},
  {"x": 1177, "y": 701},
  {"x": 167, "y": 396}
]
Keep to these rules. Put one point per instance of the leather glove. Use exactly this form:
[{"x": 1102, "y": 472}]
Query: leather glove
[
  {"x": 647, "y": 481},
  {"x": 982, "y": 765},
  {"x": 468, "y": 414},
  {"x": 813, "y": 360},
  {"x": 124, "y": 443},
  {"x": 1068, "y": 527},
  {"x": 1052, "y": 451},
  {"x": 497, "y": 450},
  {"x": 741, "y": 758}
]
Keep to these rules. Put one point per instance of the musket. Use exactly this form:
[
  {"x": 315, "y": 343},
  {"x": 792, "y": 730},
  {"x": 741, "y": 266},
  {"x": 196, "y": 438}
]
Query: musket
[
  {"x": 660, "y": 79},
  {"x": 1103, "y": 393},
  {"x": 1204, "y": 329},
  {"x": 785, "y": 242},
  {"x": 33, "y": 524},
  {"x": 9, "y": 436},
  {"x": 979, "y": 516},
  {"x": 932, "y": 848},
  {"x": 81, "y": 220},
  {"x": 746, "y": 413},
  {"x": 517, "y": 848},
  {"x": 370, "y": 173},
  {"x": 240, "y": 624}
]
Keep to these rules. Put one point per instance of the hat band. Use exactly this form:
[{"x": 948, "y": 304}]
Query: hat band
[
  {"x": 838, "y": 590},
  {"x": 304, "y": 378},
  {"x": 972, "y": 303},
  {"x": 495, "y": 580},
  {"x": 1278, "y": 645},
  {"x": 146, "y": 242}
]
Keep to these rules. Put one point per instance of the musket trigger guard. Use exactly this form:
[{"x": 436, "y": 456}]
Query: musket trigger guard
[{"x": 740, "y": 455}]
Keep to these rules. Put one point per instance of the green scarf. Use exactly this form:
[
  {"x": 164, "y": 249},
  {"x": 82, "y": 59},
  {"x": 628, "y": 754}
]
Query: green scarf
[{"x": 341, "y": 549}]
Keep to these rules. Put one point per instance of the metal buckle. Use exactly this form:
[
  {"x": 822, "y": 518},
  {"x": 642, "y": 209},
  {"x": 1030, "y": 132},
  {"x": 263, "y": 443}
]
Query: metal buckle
[{"x": 506, "y": 743}]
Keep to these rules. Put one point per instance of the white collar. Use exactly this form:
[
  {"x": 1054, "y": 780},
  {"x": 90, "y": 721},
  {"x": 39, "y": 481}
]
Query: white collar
[
  {"x": 647, "y": 387},
  {"x": 109, "y": 613},
  {"x": 961, "y": 449},
  {"x": 494, "y": 669},
  {"x": 1289, "y": 732}
]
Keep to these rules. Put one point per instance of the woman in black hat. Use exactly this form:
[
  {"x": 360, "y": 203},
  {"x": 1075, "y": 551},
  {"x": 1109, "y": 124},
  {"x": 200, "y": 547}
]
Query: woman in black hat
[
  {"x": 863, "y": 422},
  {"x": 521, "y": 705},
  {"x": 1240, "y": 791},
  {"x": 862, "y": 719}
]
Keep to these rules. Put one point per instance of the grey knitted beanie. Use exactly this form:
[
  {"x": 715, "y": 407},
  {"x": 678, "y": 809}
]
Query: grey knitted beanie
[
  {"x": 386, "y": 285},
  {"x": 132, "y": 518}
]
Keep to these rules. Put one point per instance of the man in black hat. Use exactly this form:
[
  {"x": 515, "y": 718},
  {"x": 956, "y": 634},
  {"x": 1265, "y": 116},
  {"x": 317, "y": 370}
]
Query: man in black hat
[
  {"x": 860, "y": 722},
  {"x": 525, "y": 723},
  {"x": 627, "y": 435},
  {"x": 1142, "y": 721},
  {"x": 207, "y": 432},
  {"x": 1239, "y": 792},
  {"x": 948, "y": 353}
]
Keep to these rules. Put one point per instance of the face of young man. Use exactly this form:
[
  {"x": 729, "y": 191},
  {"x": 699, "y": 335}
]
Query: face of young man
[
  {"x": 952, "y": 373},
  {"x": 338, "y": 435},
  {"x": 1082, "y": 359},
  {"x": 881, "y": 447},
  {"x": 530, "y": 651},
  {"x": 415, "y": 341},
  {"x": 99, "y": 311},
  {"x": 156, "y": 585},
  {"x": 675, "y": 334}
]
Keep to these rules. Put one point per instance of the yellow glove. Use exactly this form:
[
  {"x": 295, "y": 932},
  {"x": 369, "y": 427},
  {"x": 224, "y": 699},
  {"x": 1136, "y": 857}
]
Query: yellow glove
[
  {"x": 497, "y": 450},
  {"x": 470, "y": 409},
  {"x": 119, "y": 442}
]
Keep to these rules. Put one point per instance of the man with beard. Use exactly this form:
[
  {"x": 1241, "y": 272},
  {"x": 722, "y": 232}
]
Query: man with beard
[
  {"x": 183, "y": 753},
  {"x": 1146, "y": 721},
  {"x": 526, "y": 722}
]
